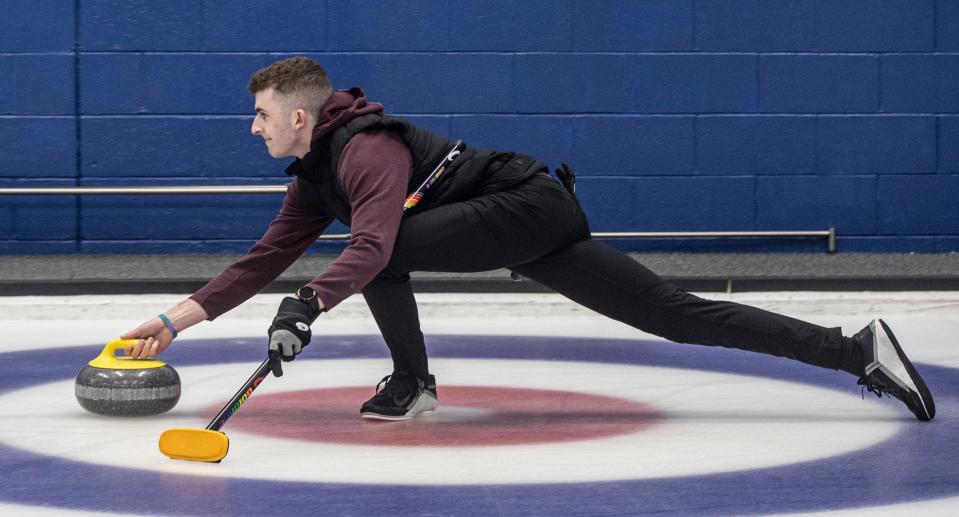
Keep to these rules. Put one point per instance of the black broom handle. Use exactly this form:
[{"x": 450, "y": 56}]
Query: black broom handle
[{"x": 241, "y": 396}]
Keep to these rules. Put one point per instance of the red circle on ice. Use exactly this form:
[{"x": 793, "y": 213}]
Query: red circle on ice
[{"x": 468, "y": 416}]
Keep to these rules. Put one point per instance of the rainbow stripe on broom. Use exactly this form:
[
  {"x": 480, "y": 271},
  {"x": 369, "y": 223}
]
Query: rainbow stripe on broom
[{"x": 437, "y": 173}]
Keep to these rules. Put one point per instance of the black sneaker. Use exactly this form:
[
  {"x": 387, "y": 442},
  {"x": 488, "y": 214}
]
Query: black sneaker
[
  {"x": 403, "y": 397},
  {"x": 889, "y": 371}
]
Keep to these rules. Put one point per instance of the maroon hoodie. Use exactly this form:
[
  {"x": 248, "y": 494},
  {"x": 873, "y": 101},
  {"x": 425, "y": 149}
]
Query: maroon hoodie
[{"x": 374, "y": 171}]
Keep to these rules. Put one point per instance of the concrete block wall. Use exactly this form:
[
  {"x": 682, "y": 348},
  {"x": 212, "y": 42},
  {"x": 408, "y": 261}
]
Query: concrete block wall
[{"x": 676, "y": 114}]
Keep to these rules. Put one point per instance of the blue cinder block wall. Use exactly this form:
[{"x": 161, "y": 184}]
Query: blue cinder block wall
[{"x": 676, "y": 114}]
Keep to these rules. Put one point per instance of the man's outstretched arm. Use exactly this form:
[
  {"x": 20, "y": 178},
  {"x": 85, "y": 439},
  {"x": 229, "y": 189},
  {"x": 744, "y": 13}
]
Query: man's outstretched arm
[{"x": 291, "y": 233}]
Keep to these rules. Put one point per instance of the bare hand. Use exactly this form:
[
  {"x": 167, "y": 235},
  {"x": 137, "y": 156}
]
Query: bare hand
[{"x": 153, "y": 338}]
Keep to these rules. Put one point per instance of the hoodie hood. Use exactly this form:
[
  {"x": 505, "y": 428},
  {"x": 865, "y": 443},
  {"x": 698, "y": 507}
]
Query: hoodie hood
[{"x": 342, "y": 107}]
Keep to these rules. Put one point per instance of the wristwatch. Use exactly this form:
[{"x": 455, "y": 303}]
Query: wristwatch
[{"x": 306, "y": 294}]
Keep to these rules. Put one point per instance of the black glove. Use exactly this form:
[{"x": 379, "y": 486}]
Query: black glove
[{"x": 290, "y": 331}]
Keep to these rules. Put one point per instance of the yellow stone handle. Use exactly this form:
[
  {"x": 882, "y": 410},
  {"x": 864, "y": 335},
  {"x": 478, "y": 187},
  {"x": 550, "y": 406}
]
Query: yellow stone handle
[
  {"x": 108, "y": 358},
  {"x": 111, "y": 349}
]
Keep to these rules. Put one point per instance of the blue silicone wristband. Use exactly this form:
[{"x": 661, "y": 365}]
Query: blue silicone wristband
[{"x": 169, "y": 324}]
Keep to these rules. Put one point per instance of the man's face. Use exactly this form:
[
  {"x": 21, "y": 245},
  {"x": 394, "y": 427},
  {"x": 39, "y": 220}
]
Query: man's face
[{"x": 278, "y": 125}]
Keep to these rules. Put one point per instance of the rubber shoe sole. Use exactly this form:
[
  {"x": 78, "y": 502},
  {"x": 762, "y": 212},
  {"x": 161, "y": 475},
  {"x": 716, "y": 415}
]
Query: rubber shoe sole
[
  {"x": 425, "y": 404},
  {"x": 887, "y": 361}
]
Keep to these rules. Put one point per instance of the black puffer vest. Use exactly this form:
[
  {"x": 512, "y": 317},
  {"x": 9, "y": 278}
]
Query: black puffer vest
[{"x": 474, "y": 172}]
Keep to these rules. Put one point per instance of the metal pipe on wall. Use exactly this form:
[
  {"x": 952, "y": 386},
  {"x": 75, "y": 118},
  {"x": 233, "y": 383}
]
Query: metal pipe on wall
[{"x": 829, "y": 235}]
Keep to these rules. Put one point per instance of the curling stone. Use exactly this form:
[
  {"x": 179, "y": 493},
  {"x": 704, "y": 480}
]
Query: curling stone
[{"x": 123, "y": 386}]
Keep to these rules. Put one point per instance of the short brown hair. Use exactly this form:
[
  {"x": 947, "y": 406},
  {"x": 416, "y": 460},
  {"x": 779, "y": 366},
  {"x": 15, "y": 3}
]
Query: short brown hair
[{"x": 302, "y": 81}]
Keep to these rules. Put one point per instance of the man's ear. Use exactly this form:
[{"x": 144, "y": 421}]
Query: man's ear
[{"x": 299, "y": 118}]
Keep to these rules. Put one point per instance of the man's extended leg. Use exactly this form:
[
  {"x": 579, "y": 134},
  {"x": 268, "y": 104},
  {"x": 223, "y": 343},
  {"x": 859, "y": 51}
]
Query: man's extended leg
[{"x": 613, "y": 284}]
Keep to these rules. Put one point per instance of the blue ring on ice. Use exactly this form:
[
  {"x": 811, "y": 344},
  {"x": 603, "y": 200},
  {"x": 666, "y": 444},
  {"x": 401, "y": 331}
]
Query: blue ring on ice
[{"x": 917, "y": 463}]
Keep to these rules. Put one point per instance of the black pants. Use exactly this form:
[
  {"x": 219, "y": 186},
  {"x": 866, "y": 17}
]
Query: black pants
[{"x": 538, "y": 230}]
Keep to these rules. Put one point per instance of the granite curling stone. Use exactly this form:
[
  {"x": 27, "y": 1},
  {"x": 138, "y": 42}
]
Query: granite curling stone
[{"x": 123, "y": 386}]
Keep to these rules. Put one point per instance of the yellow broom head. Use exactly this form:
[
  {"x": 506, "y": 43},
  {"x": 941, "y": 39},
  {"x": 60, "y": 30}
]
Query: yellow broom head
[{"x": 194, "y": 444}]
